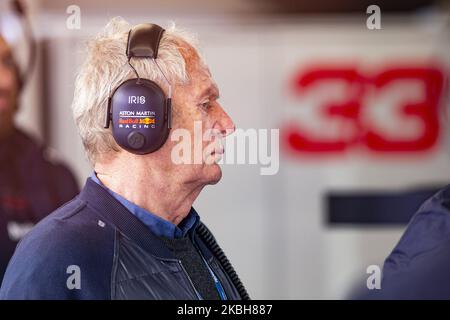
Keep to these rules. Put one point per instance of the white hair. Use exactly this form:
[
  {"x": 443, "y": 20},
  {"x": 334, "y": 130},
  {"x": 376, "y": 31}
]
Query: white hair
[{"x": 105, "y": 68}]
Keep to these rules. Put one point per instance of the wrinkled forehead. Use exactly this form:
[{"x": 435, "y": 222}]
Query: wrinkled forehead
[{"x": 195, "y": 66}]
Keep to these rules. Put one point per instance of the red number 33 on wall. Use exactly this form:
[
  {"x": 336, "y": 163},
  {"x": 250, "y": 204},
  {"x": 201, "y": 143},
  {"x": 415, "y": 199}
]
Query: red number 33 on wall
[{"x": 396, "y": 110}]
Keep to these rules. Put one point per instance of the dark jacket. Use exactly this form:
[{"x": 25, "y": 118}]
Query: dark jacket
[
  {"x": 419, "y": 265},
  {"x": 32, "y": 185},
  {"x": 116, "y": 255}
]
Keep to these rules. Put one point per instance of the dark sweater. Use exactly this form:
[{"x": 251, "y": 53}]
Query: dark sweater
[{"x": 185, "y": 251}]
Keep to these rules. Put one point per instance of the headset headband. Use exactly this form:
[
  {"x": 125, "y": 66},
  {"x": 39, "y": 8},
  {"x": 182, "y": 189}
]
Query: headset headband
[{"x": 143, "y": 41}]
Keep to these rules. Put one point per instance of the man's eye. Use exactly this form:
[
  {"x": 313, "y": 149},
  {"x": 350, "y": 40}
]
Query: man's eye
[{"x": 206, "y": 105}]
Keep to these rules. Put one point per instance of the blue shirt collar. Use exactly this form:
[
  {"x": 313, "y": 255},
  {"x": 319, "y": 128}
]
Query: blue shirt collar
[{"x": 155, "y": 224}]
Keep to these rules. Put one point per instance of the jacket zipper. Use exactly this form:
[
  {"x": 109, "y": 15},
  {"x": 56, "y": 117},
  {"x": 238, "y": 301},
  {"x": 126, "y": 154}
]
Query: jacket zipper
[{"x": 190, "y": 280}]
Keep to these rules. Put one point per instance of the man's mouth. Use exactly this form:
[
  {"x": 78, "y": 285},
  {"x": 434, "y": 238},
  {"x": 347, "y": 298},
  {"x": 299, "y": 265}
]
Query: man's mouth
[
  {"x": 217, "y": 153},
  {"x": 219, "y": 150}
]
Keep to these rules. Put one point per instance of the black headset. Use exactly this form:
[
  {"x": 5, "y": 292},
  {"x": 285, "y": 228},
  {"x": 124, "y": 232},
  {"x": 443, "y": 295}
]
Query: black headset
[{"x": 138, "y": 109}]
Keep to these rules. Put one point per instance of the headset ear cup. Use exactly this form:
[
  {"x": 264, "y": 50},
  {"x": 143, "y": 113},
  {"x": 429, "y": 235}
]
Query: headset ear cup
[{"x": 139, "y": 116}]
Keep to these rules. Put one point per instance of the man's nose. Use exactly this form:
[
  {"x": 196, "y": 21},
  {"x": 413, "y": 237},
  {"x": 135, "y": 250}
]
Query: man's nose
[{"x": 224, "y": 122}]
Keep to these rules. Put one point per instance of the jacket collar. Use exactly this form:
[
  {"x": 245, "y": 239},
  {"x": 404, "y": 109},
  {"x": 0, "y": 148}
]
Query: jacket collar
[
  {"x": 115, "y": 213},
  {"x": 159, "y": 226}
]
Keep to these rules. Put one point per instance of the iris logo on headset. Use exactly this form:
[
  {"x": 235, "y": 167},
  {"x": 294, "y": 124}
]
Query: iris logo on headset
[{"x": 138, "y": 109}]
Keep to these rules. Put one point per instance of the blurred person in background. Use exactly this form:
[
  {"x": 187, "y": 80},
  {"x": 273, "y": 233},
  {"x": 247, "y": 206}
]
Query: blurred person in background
[
  {"x": 132, "y": 233},
  {"x": 419, "y": 265},
  {"x": 32, "y": 184}
]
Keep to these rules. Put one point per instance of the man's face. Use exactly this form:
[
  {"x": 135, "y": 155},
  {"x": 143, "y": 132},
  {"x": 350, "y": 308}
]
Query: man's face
[
  {"x": 196, "y": 110},
  {"x": 8, "y": 87}
]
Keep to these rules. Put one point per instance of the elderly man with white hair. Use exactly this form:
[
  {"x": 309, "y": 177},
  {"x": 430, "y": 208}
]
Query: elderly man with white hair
[{"x": 132, "y": 232}]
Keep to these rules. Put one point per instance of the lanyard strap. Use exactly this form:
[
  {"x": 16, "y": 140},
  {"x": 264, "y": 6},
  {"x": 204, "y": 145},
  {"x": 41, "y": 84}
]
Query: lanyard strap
[
  {"x": 217, "y": 283},
  {"x": 219, "y": 287}
]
